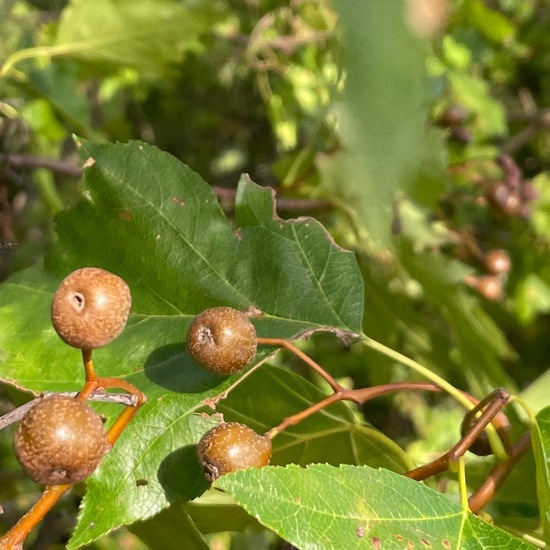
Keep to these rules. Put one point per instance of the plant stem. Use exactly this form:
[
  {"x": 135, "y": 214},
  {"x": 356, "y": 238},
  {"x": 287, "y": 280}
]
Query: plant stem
[
  {"x": 359, "y": 396},
  {"x": 281, "y": 342},
  {"x": 88, "y": 365},
  {"x": 417, "y": 367},
  {"x": 14, "y": 538},
  {"x": 442, "y": 463},
  {"x": 498, "y": 474},
  {"x": 460, "y": 396}
]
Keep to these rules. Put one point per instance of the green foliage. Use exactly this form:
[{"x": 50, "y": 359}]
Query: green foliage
[
  {"x": 342, "y": 108},
  {"x": 301, "y": 505}
]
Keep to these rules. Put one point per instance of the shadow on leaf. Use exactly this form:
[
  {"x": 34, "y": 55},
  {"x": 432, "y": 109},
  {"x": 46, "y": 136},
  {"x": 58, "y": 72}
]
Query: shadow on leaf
[
  {"x": 181, "y": 476},
  {"x": 171, "y": 367}
]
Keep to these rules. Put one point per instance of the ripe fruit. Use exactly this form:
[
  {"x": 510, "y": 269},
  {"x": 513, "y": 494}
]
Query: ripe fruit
[
  {"x": 230, "y": 447},
  {"x": 222, "y": 339},
  {"x": 90, "y": 308},
  {"x": 490, "y": 287},
  {"x": 60, "y": 440},
  {"x": 481, "y": 446},
  {"x": 497, "y": 261}
]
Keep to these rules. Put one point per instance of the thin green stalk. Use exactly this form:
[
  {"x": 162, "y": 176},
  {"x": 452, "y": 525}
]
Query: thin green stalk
[{"x": 496, "y": 443}]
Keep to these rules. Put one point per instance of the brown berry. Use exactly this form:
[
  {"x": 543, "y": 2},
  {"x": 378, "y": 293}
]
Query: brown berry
[
  {"x": 60, "y": 440},
  {"x": 497, "y": 261},
  {"x": 460, "y": 135},
  {"x": 222, "y": 339},
  {"x": 453, "y": 115},
  {"x": 481, "y": 445},
  {"x": 90, "y": 308},
  {"x": 490, "y": 287},
  {"x": 230, "y": 447}
]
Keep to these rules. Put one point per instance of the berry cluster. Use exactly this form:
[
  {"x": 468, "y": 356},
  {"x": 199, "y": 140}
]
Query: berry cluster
[
  {"x": 61, "y": 439},
  {"x": 453, "y": 118},
  {"x": 509, "y": 196},
  {"x": 512, "y": 195},
  {"x": 493, "y": 197},
  {"x": 223, "y": 340}
]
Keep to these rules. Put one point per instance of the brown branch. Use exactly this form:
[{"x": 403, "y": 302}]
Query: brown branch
[
  {"x": 283, "y": 203},
  {"x": 498, "y": 474},
  {"x": 281, "y": 342},
  {"x": 497, "y": 399},
  {"x": 359, "y": 396},
  {"x": 28, "y": 161}
]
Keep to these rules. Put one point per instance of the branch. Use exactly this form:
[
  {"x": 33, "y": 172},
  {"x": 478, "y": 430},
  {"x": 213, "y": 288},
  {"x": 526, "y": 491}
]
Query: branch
[
  {"x": 283, "y": 203},
  {"x": 18, "y": 413},
  {"x": 28, "y": 161}
]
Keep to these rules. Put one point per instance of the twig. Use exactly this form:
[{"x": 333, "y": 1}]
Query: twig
[
  {"x": 359, "y": 396},
  {"x": 18, "y": 413},
  {"x": 540, "y": 121},
  {"x": 498, "y": 474},
  {"x": 283, "y": 203},
  {"x": 28, "y": 161},
  {"x": 282, "y": 343},
  {"x": 499, "y": 399}
]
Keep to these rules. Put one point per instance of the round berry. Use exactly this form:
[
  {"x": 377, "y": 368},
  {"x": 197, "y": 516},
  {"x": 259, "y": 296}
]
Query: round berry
[
  {"x": 222, "y": 339},
  {"x": 497, "y": 261},
  {"x": 481, "y": 445},
  {"x": 453, "y": 115},
  {"x": 90, "y": 308},
  {"x": 230, "y": 447},
  {"x": 490, "y": 287},
  {"x": 60, "y": 440}
]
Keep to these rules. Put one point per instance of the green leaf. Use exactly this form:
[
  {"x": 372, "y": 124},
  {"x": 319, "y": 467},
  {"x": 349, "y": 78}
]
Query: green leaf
[
  {"x": 331, "y": 435},
  {"x": 152, "y": 464},
  {"x": 153, "y": 221},
  {"x": 474, "y": 94},
  {"x": 57, "y": 82},
  {"x": 494, "y": 25},
  {"x": 215, "y": 511},
  {"x": 386, "y": 106},
  {"x": 169, "y": 529},
  {"x": 536, "y": 394},
  {"x": 149, "y": 35},
  {"x": 540, "y": 432},
  {"x": 532, "y": 297},
  {"x": 349, "y": 507}
]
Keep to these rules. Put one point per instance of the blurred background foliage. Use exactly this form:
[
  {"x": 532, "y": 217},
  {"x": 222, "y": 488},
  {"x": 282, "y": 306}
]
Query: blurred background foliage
[{"x": 416, "y": 132}]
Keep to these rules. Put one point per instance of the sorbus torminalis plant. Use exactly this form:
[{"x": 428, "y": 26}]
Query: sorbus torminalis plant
[{"x": 61, "y": 440}]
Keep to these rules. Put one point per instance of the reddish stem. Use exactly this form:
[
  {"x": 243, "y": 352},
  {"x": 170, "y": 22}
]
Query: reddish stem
[
  {"x": 88, "y": 365},
  {"x": 14, "y": 538},
  {"x": 498, "y": 399},
  {"x": 498, "y": 474},
  {"x": 282, "y": 343},
  {"x": 359, "y": 396}
]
